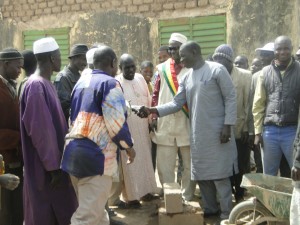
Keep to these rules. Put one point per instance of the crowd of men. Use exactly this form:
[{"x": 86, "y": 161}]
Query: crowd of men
[{"x": 93, "y": 139}]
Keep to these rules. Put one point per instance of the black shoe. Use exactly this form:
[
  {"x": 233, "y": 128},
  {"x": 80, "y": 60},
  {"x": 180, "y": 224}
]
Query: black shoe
[
  {"x": 149, "y": 197},
  {"x": 134, "y": 204},
  {"x": 207, "y": 215},
  {"x": 122, "y": 205}
]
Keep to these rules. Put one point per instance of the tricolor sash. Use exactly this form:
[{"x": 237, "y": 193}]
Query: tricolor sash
[{"x": 171, "y": 78}]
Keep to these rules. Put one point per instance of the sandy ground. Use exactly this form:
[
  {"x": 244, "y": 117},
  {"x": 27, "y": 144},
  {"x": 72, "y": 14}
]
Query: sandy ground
[{"x": 148, "y": 214}]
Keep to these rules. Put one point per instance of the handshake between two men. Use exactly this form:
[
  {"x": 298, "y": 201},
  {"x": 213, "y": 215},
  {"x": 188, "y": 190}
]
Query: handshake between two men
[{"x": 144, "y": 112}]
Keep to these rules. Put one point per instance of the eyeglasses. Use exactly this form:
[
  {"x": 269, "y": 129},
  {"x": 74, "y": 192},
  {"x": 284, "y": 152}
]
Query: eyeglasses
[{"x": 173, "y": 48}]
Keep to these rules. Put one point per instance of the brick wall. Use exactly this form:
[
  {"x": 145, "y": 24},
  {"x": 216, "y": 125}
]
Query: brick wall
[{"x": 25, "y": 10}]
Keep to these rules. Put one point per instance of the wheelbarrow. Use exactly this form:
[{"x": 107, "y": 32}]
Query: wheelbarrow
[{"x": 270, "y": 204}]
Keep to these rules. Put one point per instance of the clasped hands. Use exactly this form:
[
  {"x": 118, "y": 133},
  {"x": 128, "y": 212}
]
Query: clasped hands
[{"x": 143, "y": 112}]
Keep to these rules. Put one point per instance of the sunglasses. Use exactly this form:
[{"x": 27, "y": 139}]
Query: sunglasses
[{"x": 173, "y": 48}]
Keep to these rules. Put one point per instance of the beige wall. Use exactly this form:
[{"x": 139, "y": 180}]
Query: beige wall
[
  {"x": 253, "y": 23},
  {"x": 132, "y": 25},
  {"x": 26, "y": 10}
]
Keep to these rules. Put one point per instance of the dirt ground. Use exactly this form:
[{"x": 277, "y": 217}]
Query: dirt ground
[{"x": 148, "y": 213}]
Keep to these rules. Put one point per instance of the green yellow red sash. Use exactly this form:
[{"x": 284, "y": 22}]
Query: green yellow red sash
[{"x": 171, "y": 78}]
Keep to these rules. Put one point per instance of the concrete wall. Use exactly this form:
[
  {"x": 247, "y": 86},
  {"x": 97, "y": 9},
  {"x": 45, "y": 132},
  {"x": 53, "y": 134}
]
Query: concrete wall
[
  {"x": 127, "y": 35},
  {"x": 132, "y": 25},
  {"x": 253, "y": 23},
  {"x": 26, "y": 10}
]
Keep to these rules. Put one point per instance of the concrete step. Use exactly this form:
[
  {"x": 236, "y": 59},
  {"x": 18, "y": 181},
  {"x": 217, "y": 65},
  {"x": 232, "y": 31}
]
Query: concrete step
[{"x": 173, "y": 198}]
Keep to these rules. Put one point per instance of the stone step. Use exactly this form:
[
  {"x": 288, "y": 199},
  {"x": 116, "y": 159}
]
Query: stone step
[{"x": 173, "y": 198}]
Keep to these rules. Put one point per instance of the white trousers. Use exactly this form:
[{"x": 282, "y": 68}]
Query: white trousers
[
  {"x": 166, "y": 164},
  {"x": 92, "y": 194},
  {"x": 295, "y": 207}
]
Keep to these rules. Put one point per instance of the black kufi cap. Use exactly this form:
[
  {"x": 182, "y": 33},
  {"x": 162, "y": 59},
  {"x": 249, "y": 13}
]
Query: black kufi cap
[
  {"x": 78, "y": 49},
  {"x": 10, "y": 54}
]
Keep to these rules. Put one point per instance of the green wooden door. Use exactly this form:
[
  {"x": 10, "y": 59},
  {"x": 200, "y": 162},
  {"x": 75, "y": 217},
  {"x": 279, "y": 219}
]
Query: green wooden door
[
  {"x": 209, "y": 31},
  {"x": 61, "y": 35}
]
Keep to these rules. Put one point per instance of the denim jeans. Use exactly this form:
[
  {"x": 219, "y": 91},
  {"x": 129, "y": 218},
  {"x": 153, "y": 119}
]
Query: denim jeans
[{"x": 278, "y": 141}]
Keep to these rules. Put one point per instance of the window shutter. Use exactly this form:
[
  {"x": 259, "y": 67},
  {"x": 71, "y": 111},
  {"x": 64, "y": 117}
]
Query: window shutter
[
  {"x": 61, "y": 35},
  {"x": 209, "y": 31}
]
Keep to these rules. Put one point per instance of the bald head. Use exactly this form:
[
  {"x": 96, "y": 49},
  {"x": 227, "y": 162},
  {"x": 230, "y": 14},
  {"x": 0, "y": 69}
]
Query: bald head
[
  {"x": 126, "y": 58},
  {"x": 127, "y": 66},
  {"x": 283, "y": 39},
  {"x": 190, "y": 55},
  {"x": 105, "y": 59},
  {"x": 283, "y": 49},
  {"x": 191, "y": 46}
]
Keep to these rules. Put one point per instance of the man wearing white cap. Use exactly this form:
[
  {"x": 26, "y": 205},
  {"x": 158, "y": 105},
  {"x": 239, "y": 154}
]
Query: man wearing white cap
[
  {"x": 89, "y": 59},
  {"x": 49, "y": 198},
  {"x": 211, "y": 97},
  {"x": 266, "y": 54},
  {"x": 172, "y": 132},
  {"x": 276, "y": 106}
]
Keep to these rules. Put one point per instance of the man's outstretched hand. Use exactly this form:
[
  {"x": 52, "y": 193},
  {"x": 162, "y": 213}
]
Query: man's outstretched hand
[{"x": 141, "y": 111}]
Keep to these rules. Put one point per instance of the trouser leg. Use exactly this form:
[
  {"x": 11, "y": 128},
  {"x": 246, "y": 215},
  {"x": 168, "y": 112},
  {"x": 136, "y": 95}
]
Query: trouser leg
[
  {"x": 153, "y": 154},
  {"x": 284, "y": 168},
  {"x": 93, "y": 193},
  {"x": 166, "y": 163},
  {"x": 223, "y": 188},
  {"x": 257, "y": 159},
  {"x": 180, "y": 167},
  {"x": 272, "y": 150},
  {"x": 287, "y": 137},
  {"x": 116, "y": 188},
  {"x": 244, "y": 167},
  {"x": 208, "y": 194},
  {"x": 187, "y": 185}
]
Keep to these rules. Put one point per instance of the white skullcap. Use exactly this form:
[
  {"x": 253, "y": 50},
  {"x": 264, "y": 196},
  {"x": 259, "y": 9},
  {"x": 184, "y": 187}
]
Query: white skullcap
[
  {"x": 90, "y": 55},
  {"x": 178, "y": 37},
  {"x": 43, "y": 45},
  {"x": 268, "y": 47},
  {"x": 298, "y": 52}
]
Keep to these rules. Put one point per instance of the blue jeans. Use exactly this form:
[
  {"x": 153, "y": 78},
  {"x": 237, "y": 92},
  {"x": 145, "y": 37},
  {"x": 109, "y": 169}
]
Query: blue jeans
[{"x": 277, "y": 141}]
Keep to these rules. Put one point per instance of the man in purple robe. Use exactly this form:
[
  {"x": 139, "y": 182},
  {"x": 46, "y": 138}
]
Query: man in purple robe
[{"x": 49, "y": 197}]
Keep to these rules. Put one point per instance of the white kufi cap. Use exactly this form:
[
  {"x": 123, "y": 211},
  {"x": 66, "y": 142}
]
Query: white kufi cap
[
  {"x": 178, "y": 37},
  {"x": 90, "y": 55},
  {"x": 43, "y": 45},
  {"x": 268, "y": 47}
]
